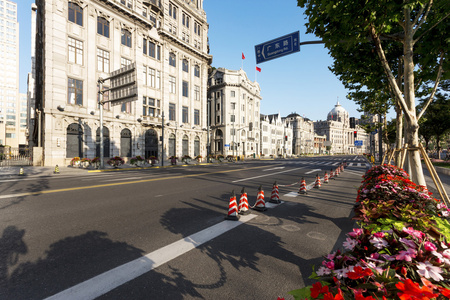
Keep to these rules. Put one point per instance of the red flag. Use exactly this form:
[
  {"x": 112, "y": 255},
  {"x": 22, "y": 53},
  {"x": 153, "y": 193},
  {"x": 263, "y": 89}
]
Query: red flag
[
  {"x": 243, "y": 57},
  {"x": 258, "y": 69}
]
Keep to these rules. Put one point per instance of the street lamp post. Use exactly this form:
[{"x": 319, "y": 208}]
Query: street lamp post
[
  {"x": 100, "y": 108},
  {"x": 208, "y": 125},
  {"x": 162, "y": 140}
]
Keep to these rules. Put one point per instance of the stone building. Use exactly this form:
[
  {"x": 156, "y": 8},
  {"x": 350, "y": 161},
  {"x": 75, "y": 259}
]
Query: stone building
[
  {"x": 79, "y": 41},
  {"x": 234, "y": 113},
  {"x": 276, "y": 136},
  {"x": 303, "y": 134}
]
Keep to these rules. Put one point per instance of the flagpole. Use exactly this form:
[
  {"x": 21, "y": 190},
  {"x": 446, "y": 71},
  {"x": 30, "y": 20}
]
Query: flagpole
[{"x": 255, "y": 76}]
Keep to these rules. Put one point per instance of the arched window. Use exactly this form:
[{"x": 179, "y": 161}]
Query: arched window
[
  {"x": 185, "y": 65},
  {"x": 74, "y": 141},
  {"x": 151, "y": 143},
  {"x": 105, "y": 142},
  {"x": 196, "y": 146},
  {"x": 125, "y": 143},
  {"x": 172, "y": 145},
  {"x": 103, "y": 26},
  {"x": 75, "y": 13},
  {"x": 126, "y": 37},
  {"x": 185, "y": 145}
]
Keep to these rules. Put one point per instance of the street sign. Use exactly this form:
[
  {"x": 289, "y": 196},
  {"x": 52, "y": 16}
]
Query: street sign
[
  {"x": 123, "y": 85},
  {"x": 278, "y": 47},
  {"x": 227, "y": 145},
  {"x": 358, "y": 143}
]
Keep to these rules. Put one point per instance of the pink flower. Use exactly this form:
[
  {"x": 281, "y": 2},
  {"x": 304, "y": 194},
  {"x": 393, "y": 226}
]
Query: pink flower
[
  {"x": 427, "y": 270},
  {"x": 349, "y": 244},
  {"x": 418, "y": 234},
  {"x": 378, "y": 243},
  {"x": 331, "y": 256},
  {"x": 356, "y": 232},
  {"x": 406, "y": 255},
  {"x": 341, "y": 273},
  {"x": 429, "y": 246},
  {"x": 330, "y": 265},
  {"x": 323, "y": 271},
  {"x": 408, "y": 243},
  {"x": 378, "y": 234}
]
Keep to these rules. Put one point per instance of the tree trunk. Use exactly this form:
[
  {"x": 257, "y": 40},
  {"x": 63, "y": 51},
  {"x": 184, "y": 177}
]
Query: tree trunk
[
  {"x": 399, "y": 133},
  {"x": 412, "y": 132}
]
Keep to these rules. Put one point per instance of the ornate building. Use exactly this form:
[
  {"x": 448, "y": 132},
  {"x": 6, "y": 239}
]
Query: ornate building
[
  {"x": 79, "y": 41},
  {"x": 276, "y": 136},
  {"x": 303, "y": 134},
  {"x": 234, "y": 113}
]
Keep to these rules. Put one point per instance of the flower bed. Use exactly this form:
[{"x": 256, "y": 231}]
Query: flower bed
[
  {"x": 116, "y": 161},
  {"x": 137, "y": 161},
  {"x": 401, "y": 250}
]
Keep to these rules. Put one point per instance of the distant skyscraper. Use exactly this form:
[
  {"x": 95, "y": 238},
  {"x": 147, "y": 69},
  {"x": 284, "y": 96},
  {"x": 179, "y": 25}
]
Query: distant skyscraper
[{"x": 11, "y": 132}]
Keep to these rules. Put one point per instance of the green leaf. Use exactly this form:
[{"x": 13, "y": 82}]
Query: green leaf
[{"x": 302, "y": 293}]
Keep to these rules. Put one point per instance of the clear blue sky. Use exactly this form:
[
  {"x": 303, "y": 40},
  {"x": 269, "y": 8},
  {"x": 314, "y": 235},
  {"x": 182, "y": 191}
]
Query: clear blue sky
[{"x": 300, "y": 82}]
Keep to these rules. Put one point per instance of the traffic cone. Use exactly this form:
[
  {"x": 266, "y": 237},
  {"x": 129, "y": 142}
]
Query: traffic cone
[
  {"x": 232, "y": 208},
  {"x": 342, "y": 168},
  {"x": 260, "y": 204},
  {"x": 56, "y": 170},
  {"x": 325, "y": 178},
  {"x": 337, "y": 172},
  {"x": 332, "y": 174},
  {"x": 243, "y": 203},
  {"x": 302, "y": 189},
  {"x": 21, "y": 171},
  {"x": 317, "y": 184},
  {"x": 275, "y": 197}
]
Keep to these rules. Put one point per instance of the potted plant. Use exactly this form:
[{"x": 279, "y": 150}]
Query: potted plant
[
  {"x": 152, "y": 160},
  {"x": 186, "y": 159},
  {"x": 75, "y": 162},
  {"x": 85, "y": 162},
  {"x": 199, "y": 158},
  {"x": 230, "y": 158},
  {"x": 95, "y": 162},
  {"x": 173, "y": 159},
  {"x": 116, "y": 161},
  {"x": 137, "y": 161}
]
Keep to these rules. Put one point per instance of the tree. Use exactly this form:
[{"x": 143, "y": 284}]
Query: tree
[{"x": 409, "y": 34}]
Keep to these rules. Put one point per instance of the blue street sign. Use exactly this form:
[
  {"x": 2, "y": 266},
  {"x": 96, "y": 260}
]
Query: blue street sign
[
  {"x": 278, "y": 47},
  {"x": 227, "y": 145},
  {"x": 358, "y": 143}
]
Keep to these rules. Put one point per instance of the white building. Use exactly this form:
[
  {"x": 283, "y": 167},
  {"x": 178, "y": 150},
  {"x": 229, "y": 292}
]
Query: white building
[
  {"x": 11, "y": 132},
  {"x": 303, "y": 134},
  {"x": 276, "y": 136},
  {"x": 340, "y": 138},
  {"x": 235, "y": 107},
  {"x": 82, "y": 40}
]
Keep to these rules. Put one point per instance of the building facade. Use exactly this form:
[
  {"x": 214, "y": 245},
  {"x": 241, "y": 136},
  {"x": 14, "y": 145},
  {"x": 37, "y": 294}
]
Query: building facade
[
  {"x": 340, "y": 138},
  {"x": 303, "y": 134},
  {"x": 234, "y": 113},
  {"x": 12, "y": 131},
  {"x": 80, "y": 41},
  {"x": 276, "y": 136}
]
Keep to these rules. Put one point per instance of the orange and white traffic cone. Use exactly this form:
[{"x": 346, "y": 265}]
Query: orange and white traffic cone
[
  {"x": 337, "y": 172},
  {"x": 243, "y": 203},
  {"x": 317, "y": 184},
  {"x": 332, "y": 174},
  {"x": 275, "y": 197},
  {"x": 232, "y": 208},
  {"x": 325, "y": 178},
  {"x": 342, "y": 168},
  {"x": 302, "y": 189},
  {"x": 260, "y": 204}
]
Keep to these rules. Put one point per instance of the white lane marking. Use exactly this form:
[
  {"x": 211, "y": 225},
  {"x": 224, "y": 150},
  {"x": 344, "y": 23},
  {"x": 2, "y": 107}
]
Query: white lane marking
[
  {"x": 354, "y": 172},
  {"x": 103, "y": 283},
  {"x": 272, "y": 205},
  {"x": 277, "y": 168},
  {"x": 123, "y": 179},
  {"x": 266, "y": 175},
  {"x": 291, "y": 194},
  {"x": 313, "y": 171}
]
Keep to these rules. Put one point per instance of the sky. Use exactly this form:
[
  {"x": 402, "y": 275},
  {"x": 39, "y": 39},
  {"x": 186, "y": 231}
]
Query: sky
[{"x": 300, "y": 82}]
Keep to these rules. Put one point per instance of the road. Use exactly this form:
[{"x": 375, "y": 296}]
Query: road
[{"x": 161, "y": 234}]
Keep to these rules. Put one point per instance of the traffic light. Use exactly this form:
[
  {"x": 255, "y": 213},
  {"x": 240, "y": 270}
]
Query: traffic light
[
  {"x": 285, "y": 137},
  {"x": 355, "y": 133}
]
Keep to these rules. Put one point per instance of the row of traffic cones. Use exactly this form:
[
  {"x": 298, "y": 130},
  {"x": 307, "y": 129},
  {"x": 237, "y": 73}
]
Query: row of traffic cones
[
  {"x": 318, "y": 182},
  {"x": 235, "y": 210}
]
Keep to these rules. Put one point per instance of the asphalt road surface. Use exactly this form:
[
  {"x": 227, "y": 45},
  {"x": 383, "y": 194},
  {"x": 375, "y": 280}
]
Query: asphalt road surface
[{"x": 161, "y": 233}]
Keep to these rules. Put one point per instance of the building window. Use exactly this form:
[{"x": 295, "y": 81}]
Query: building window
[
  {"x": 233, "y": 94},
  {"x": 124, "y": 62},
  {"x": 126, "y": 38},
  {"x": 232, "y": 118},
  {"x": 103, "y": 26},
  {"x": 151, "y": 49},
  {"x": 75, "y": 91},
  {"x": 172, "y": 84},
  {"x": 75, "y": 51},
  {"x": 75, "y": 14},
  {"x": 197, "y": 93},
  {"x": 171, "y": 112},
  {"x": 149, "y": 107},
  {"x": 185, "y": 20},
  {"x": 126, "y": 107},
  {"x": 197, "y": 71},
  {"x": 173, "y": 11},
  {"x": 196, "y": 117},
  {"x": 185, "y": 65},
  {"x": 185, "y": 116},
  {"x": 172, "y": 59},
  {"x": 144, "y": 46},
  {"x": 185, "y": 89},
  {"x": 158, "y": 52},
  {"x": 102, "y": 60},
  {"x": 197, "y": 28}
]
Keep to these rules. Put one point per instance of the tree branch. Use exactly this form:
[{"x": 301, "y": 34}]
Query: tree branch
[
  {"x": 423, "y": 18},
  {"x": 426, "y": 31},
  {"x": 388, "y": 72},
  {"x": 438, "y": 78}
]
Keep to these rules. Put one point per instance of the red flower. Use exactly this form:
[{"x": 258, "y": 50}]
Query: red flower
[
  {"x": 411, "y": 290},
  {"x": 318, "y": 289},
  {"x": 329, "y": 296},
  {"x": 361, "y": 297},
  {"x": 359, "y": 272}
]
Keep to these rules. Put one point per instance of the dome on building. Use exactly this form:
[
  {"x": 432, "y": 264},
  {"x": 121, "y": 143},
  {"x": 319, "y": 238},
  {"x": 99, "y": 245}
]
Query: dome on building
[{"x": 338, "y": 113}]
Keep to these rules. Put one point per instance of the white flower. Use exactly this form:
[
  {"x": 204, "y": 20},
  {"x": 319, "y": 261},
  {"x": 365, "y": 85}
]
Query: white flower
[
  {"x": 427, "y": 270},
  {"x": 378, "y": 243},
  {"x": 341, "y": 273},
  {"x": 349, "y": 243},
  {"x": 323, "y": 271}
]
